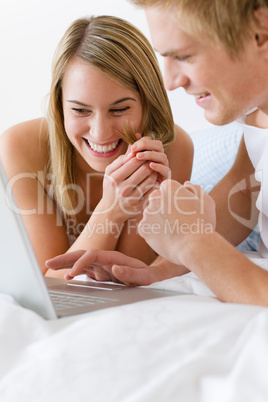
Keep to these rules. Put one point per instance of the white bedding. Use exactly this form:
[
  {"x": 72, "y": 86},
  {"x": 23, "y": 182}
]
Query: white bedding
[
  {"x": 186, "y": 348},
  {"x": 189, "y": 348}
]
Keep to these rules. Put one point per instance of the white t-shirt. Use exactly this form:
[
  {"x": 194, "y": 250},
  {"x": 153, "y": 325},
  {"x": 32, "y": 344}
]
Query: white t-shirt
[{"x": 256, "y": 141}]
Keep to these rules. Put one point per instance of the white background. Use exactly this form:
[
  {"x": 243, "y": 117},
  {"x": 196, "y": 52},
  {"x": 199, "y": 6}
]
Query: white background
[{"x": 29, "y": 33}]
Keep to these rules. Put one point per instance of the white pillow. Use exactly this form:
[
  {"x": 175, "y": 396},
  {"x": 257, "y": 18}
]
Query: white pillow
[{"x": 215, "y": 149}]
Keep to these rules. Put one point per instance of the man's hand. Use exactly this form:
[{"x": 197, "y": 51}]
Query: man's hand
[{"x": 175, "y": 213}]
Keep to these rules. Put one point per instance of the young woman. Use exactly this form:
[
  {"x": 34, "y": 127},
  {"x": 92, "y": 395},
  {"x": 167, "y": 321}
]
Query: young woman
[{"x": 77, "y": 181}]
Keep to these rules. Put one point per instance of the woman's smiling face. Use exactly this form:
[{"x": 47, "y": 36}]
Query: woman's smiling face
[{"x": 95, "y": 107}]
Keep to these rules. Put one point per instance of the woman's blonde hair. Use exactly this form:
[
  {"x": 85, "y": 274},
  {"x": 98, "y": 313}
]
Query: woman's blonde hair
[
  {"x": 120, "y": 50},
  {"x": 224, "y": 21}
]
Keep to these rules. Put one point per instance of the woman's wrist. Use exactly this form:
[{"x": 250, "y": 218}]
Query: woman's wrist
[
  {"x": 116, "y": 212},
  {"x": 108, "y": 213}
]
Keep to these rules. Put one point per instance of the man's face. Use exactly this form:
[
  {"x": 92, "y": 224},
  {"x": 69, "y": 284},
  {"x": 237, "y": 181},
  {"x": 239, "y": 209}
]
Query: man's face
[{"x": 225, "y": 88}]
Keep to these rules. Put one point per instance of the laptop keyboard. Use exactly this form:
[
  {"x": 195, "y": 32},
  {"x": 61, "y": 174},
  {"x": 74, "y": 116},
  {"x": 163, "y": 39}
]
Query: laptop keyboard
[{"x": 63, "y": 300}]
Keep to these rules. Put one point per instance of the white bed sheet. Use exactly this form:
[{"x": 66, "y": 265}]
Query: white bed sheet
[{"x": 186, "y": 348}]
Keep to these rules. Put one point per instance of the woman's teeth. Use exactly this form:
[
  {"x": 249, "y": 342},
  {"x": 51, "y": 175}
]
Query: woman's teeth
[{"x": 103, "y": 148}]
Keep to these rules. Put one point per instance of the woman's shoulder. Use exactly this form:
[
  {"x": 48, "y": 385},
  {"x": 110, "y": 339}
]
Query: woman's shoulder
[
  {"x": 183, "y": 139},
  {"x": 180, "y": 155},
  {"x": 25, "y": 146}
]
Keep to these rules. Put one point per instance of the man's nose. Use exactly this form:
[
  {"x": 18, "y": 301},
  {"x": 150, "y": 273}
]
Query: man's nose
[{"x": 173, "y": 76}]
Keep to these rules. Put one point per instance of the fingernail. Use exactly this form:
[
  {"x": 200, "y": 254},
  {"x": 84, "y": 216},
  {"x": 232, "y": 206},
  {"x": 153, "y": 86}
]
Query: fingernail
[
  {"x": 68, "y": 276},
  {"x": 119, "y": 269},
  {"x": 129, "y": 156}
]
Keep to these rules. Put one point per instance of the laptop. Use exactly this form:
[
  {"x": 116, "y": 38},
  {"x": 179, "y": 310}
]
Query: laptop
[{"x": 21, "y": 276}]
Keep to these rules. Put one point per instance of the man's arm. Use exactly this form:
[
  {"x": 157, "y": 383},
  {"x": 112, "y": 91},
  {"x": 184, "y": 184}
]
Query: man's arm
[
  {"x": 235, "y": 196},
  {"x": 194, "y": 243},
  {"x": 226, "y": 271}
]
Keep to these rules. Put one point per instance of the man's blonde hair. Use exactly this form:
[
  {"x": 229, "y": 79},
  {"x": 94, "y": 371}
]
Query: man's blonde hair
[
  {"x": 224, "y": 21},
  {"x": 120, "y": 50}
]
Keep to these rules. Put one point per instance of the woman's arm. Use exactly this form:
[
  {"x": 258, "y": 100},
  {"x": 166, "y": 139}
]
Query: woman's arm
[
  {"x": 180, "y": 155},
  {"x": 127, "y": 182},
  {"x": 23, "y": 152},
  {"x": 138, "y": 170}
]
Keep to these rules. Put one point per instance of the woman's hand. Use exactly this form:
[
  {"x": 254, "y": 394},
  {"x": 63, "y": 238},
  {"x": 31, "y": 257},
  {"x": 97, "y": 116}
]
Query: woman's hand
[
  {"x": 130, "y": 178},
  {"x": 152, "y": 151},
  {"x": 97, "y": 265},
  {"x": 112, "y": 266}
]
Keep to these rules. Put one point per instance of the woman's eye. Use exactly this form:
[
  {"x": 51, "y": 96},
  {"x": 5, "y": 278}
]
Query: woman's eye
[
  {"x": 121, "y": 110},
  {"x": 80, "y": 111}
]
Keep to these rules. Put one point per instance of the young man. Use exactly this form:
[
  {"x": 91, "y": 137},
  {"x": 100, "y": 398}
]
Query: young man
[{"x": 218, "y": 52}]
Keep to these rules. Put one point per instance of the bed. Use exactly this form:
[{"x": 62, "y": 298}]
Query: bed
[{"x": 187, "y": 348}]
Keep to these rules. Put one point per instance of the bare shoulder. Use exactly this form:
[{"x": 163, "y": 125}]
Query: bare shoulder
[
  {"x": 180, "y": 155},
  {"x": 24, "y": 146}
]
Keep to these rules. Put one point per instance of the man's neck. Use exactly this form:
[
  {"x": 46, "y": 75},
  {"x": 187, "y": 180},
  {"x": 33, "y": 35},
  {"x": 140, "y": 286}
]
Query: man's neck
[{"x": 258, "y": 119}]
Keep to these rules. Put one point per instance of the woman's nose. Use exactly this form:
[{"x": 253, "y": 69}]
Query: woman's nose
[
  {"x": 100, "y": 130},
  {"x": 173, "y": 77}
]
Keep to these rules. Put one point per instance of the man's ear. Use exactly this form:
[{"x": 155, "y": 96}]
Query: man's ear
[{"x": 261, "y": 31}]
